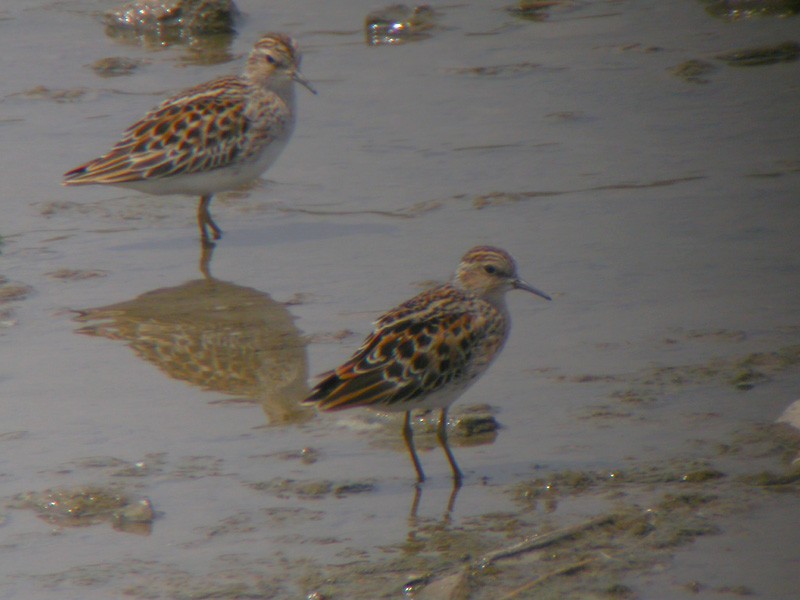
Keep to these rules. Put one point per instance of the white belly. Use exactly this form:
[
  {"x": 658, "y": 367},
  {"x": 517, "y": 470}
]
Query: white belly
[
  {"x": 439, "y": 399},
  {"x": 211, "y": 182}
]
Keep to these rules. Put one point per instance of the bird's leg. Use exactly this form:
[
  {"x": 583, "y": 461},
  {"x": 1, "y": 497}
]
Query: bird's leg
[
  {"x": 441, "y": 434},
  {"x": 205, "y": 221},
  {"x": 206, "y": 252},
  {"x": 408, "y": 436}
]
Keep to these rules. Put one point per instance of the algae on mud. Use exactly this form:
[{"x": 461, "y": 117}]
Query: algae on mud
[
  {"x": 88, "y": 505},
  {"x": 741, "y": 373},
  {"x": 762, "y": 55}
]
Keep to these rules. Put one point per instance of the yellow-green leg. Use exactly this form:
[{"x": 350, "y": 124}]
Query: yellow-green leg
[
  {"x": 205, "y": 221},
  {"x": 441, "y": 434},
  {"x": 408, "y": 436}
]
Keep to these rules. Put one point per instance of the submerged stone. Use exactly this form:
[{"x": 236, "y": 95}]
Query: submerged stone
[
  {"x": 466, "y": 425},
  {"x": 195, "y": 16},
  {"x": 398, "y": 24}
]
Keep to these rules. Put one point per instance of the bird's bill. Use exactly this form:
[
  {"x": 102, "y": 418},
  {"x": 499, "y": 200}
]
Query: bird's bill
[
  {"x": 304, "y": 82},
  {"x": 521, "y": 285}
]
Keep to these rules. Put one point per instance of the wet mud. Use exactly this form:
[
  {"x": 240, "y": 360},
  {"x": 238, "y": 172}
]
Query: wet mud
[{"x": 637, "y": 437}]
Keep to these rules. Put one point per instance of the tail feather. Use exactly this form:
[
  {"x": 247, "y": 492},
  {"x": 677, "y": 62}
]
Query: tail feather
[
  {"x": 106, "y": 169},
  {"x": 336, "y": 393}
]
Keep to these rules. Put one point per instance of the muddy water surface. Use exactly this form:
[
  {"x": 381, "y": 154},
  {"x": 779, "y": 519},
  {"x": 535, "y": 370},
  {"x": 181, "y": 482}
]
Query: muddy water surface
[{"x": 152, "y": 445}]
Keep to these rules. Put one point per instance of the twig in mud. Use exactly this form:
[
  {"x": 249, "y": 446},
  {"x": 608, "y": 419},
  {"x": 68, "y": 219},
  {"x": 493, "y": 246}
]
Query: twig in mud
[
  {"x": 455, "y": 580},
  {"x": 546, "y": 577},
  {"x": 540, "y": 541}
]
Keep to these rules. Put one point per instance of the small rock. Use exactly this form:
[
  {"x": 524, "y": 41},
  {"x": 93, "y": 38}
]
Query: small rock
[
  {"x": 140, "y": 511},
  {"x": 193, "y": 16},
  {"x": 398, "y": 24}
]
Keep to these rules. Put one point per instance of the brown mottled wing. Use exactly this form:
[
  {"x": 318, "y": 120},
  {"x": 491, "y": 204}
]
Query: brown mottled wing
[
  {"x": 415, "y": 349},
  {"x": 201, "y": 129}
]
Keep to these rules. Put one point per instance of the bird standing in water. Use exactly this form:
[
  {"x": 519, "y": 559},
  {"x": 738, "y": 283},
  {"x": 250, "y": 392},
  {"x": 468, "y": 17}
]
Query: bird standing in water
[
  {"x": 210, "y": 138},
  {"x": 426, "y": 352}
]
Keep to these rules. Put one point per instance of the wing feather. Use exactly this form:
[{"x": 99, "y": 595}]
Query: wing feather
[
  {"x": 202, "y": 129},
  {"x": 416, "y": 349}
]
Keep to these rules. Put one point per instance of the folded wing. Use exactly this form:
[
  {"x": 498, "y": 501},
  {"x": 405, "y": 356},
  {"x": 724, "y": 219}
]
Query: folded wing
[
  {"x": 202, "y": 129},
  {"x": 402, "y": 359}
]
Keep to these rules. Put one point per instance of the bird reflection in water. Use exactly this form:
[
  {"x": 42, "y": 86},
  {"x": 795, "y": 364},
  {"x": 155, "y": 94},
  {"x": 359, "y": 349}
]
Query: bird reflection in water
[{"x": 218, "y": 336}]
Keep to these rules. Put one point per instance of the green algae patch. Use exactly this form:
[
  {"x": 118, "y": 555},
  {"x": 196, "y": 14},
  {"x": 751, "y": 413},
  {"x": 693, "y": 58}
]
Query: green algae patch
[
  {"x": 775, "y": 440},
  {"x": 313, "y": 489},
  {"x": 785, "y": 481},
  {"x": 568, "y": 483},
  {"x": 702, "y": 475},
  {"x": 557, "y": 484},
  {"x": 762, "y": 55},
  {"x": 115, "y": 66},
  {"x": 539, "y": 11},
  {"x": 88, "y": 505},
  {"x": 12, "y": 292},
  {"x": 741, "y": 373},
  {"x": 693, "y": 70}
]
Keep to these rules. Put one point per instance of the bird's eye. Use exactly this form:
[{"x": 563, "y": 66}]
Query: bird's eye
[
  {"x": 271, "y": 59},
  {"x": 490, "y": 269}
]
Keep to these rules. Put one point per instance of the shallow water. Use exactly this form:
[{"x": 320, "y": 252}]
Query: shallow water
[{"x": 660, "y": 213}]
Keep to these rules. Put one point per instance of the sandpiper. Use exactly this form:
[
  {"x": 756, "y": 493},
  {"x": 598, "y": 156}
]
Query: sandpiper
[
  {"x": 426, "y": 352},
  {"x": 209, "y": 138}
]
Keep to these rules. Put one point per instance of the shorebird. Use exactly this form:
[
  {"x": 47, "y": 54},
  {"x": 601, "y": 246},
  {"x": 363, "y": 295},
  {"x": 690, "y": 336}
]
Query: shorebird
[
  {"x": 428, "y": 351},
  {"x": 213, "y": 137}
]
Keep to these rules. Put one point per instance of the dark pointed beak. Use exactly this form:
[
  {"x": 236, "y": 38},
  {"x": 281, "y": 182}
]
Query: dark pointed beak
[
  {"x": 518, "y": 284},
  {"x": 304, "y": 82}
]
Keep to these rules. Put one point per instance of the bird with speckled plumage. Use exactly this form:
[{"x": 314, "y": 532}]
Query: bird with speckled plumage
[
  {"x": 213, "y": 137},
  {"x": 428, "y": 351}
]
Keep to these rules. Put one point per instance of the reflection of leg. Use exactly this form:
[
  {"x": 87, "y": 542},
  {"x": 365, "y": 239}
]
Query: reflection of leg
[
  {"x": 441, "y": 434},
  {"x": 408, "y": 436},
  {"x": 412, "y": 515},
  {"x": 451, "y": 502},
  {"x": 204, "y": 219}
]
